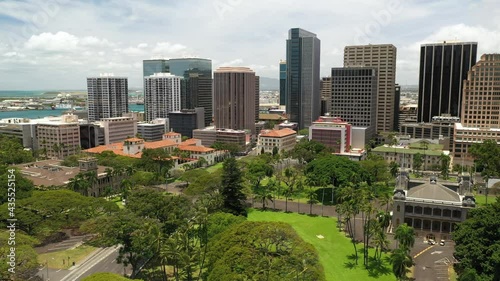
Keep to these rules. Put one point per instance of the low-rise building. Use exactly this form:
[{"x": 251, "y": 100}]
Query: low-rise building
[
  {"x": 50, "y": 173},
  {"x": 59, "y": 137},
  {"x": 152, "y": 131},
  {"x": 210, "y": 135},
  {"x": 117, "y": 129},
  {"x": 171, "y": 143},
  {"x": 283, "y": 140},
  {"x": 404, "y": 154},
  {"x": 187, "y": 120},
  {"x": 432, "y": 208}
]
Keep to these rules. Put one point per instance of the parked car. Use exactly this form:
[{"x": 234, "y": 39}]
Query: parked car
[
  {"x": 431, "y": 242},
  {"x": 441, "y": 243}
]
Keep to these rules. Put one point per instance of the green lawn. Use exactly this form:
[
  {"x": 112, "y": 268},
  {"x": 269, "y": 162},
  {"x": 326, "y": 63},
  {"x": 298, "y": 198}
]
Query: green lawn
[
  {"x": 118, "y": 201},
  {"x": 214, "y": 168},
  {"x": 334, "y": 249},
  {"x": 481, "y": 199},
  {"x": 55, "y": 259}
]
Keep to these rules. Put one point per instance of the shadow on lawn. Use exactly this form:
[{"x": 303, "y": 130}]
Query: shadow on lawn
[{"x": 375, "y": 267}]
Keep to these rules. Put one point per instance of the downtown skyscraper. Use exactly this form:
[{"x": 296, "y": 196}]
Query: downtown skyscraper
[
  {"x": 162, "y": 95},
  {"x": 302, "y": 77},
  {"x": 383, "y": 59},
  {"x": 107, "y": 96},
  {"x": 196, "y": 83},
  {"x": 480, "y": 108},
  {"x": 443, "y": 68},
  {"x": 235, "y": 97}
]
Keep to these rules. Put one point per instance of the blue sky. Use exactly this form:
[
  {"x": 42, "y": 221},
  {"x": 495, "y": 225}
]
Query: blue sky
[{"x": 55, "y": 44}]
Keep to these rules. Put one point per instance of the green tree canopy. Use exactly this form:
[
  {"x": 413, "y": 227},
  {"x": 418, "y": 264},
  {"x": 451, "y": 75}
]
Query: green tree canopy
[
  {"x": 478, "y": 243},
  {"x": 12, "y": 151},
  {"x": 307, "y": 150},
  {"x": 170, "y": 210},
  {"x": 219, "y": 222},
  {"x": 24, "y": 186},
  {"x": 232, "y": 188},
  {"x": 336, "y": 169},
  {"x": 46, "y": 212},
  {"x": 26, "y": 264},
  {"x": 262, "y": 251},
  {"x": 487, "y": 157}
]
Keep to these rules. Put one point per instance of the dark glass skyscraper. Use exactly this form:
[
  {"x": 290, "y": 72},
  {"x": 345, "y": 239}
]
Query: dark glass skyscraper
[
  {"x": 302, "y": 77},
  {"x": 196, "y": 88},
  {"x": 443, "y": 67},
  {"x": 282, "y": 82},
  {"x": 152, "y": 66}
]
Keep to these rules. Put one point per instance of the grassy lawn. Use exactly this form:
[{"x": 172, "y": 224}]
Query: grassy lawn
[
  {"x": 55, "y": 259},
  {"x": 481, "y": 199},
  {"x": 118, "y": 202},
  {"x": 452, "y": 273},
  {"x": 214, "y": 168},
  {"x": 335, "y": 250}
]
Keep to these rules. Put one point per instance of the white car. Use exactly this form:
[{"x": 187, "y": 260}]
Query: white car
[{"x": 441, "y": 243}]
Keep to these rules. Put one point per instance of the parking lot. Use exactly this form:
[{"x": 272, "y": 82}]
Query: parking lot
[{"x": 432, "y": 261}]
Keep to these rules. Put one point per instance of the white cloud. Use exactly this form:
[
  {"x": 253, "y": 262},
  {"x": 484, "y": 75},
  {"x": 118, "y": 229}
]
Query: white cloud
[
  {"x": 167, "y": 48},
  {"x": 115, "y": 36},
  {"x": 60, "y": 41}
]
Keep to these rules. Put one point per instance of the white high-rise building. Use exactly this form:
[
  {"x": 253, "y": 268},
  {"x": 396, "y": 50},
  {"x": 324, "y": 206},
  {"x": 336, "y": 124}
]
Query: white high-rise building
[
  {"x": 162, "y": 95},
  {"x": 107, "y": 96}
]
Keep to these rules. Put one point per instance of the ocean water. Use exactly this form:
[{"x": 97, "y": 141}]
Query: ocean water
[
  {"x": 34, "y": 114},
  {"x": 21, "y": 94}
]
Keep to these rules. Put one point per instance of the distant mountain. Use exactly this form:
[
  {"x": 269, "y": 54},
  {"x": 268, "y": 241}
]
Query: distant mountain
[{"x": 269, "y": 84}]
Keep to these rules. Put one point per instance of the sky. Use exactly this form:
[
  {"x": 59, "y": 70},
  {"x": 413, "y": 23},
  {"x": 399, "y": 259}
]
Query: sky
[{"x": 56, "y": 44}]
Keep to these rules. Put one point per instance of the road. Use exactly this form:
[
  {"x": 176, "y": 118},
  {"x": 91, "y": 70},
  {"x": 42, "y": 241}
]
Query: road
[
  {"x": 102, "y": 260},
  {"x": 432, "y": 262}
]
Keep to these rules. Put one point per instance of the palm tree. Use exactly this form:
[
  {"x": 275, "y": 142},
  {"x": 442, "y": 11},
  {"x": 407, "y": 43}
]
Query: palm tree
[
  {"x": 56, "y": 148},
  {"x": 424, "y": 145},
  {"x": 401, "y": 262},
  {"x": 91, "y": 177},
  {"x": 311, "y": 198},
  {"x": 125, "y": 186},
  {"x": 405, "y": 235}
]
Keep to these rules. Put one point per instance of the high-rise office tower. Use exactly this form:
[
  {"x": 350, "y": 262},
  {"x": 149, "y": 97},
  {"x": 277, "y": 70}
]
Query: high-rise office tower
[
  {"x": 480, "y": 107},
  {"x": 162, "y": 95},
  {"x": 282, "y": 82},
  {"x": 152, "y": 66},
  {"x": 481, "y": 97},
  {"x": 443, "y": 67},
  {"x": 326, "y": 95},
  {"x": 383, "y": 58},
  {"x": 397, "y": 101},
  {"x": 107, "y": 96},
  {"x": 196, "y": 83},
  {"x": 257, "y": 98},
  {"x": 302, "y": 77},
  {"x": 354, "y": 95},
  {"x": 234, "y": 98}
]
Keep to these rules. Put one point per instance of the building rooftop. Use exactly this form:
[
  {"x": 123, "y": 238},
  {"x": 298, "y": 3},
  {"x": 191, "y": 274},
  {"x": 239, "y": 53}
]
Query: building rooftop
[
  {"x": 49, "y": 172},
  {"x": 237, "y": 69},
  {"x": 193, "y": 148},
  {"x": 277, "y": 133},
  {"x": 271, "y": 116},
  {"x": 433, "y": 191},
  {"x": 134, "y": 140},
  {"x": 172, "y": 134},
  {"x": 403, "y": 150}
]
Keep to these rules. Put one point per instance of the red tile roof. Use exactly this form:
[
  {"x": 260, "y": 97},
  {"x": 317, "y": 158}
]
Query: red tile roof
[
  {"x": 196, "y": 148},
  {"x": 277, "y": 133}
]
